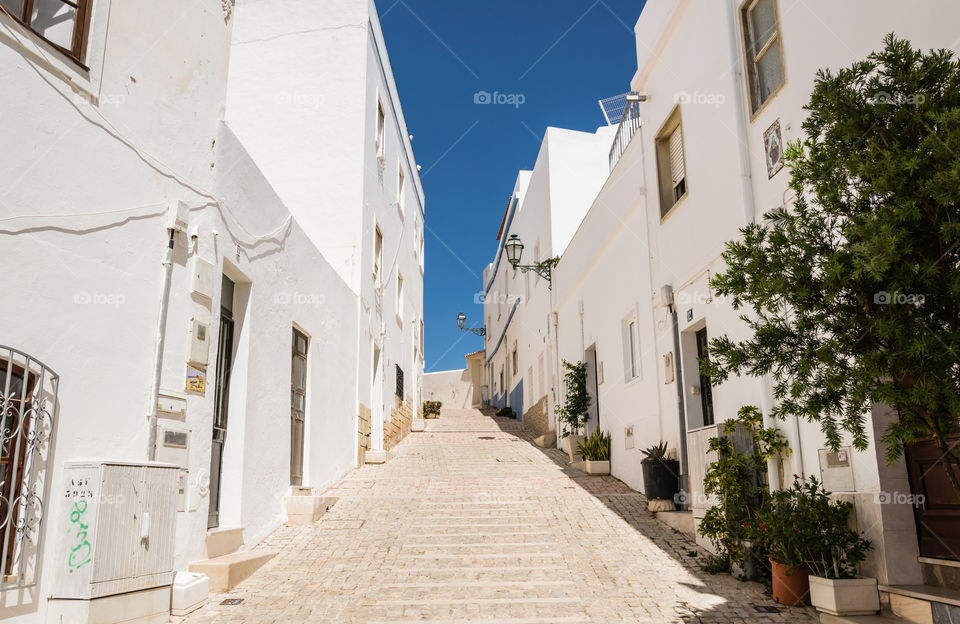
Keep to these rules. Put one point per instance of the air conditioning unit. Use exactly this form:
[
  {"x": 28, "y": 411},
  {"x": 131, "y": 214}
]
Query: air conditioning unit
[{"x": 116, "y": 528}]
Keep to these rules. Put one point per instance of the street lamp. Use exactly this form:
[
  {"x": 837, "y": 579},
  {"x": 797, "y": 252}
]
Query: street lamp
[
  {"x": 514, "y": 249},
  {"x": 462, "y": 319}
]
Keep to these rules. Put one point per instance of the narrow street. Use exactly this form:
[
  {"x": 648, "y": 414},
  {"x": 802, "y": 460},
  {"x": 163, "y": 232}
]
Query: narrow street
[{"x": 469, "y": 521}]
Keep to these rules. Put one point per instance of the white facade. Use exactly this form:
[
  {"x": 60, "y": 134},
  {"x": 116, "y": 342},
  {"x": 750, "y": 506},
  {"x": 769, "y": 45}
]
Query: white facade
[
  {"x": 93, "y": 160},
  {"x": 545, "y": 208},
  {"x": 634, "y": 241}
]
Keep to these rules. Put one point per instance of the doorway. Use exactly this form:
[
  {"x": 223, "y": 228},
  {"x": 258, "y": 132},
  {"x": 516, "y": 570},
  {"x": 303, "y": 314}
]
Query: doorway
[
  {"x": 298, "y": 405},
  {"x": 706, "y": 390},
  {"x": 593, "y": 389},
  {"x": 221, "y": 398},
  {"x": 937, "y": 510}
]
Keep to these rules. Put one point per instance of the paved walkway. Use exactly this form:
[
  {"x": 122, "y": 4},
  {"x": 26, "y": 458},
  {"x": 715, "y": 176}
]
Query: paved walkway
[{"x": 469, "y": 522}]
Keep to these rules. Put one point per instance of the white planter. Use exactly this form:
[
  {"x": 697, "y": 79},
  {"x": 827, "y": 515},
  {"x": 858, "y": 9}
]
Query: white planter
[
  {"x": 596, "y": 467},
  {"x": 573, "y": 441},
  {"x": 857, "y": 596}
]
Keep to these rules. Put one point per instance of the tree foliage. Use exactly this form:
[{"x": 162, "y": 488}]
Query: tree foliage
[
  {"x": 852, "y": 291},
  {"x": 574, "y": 412}
]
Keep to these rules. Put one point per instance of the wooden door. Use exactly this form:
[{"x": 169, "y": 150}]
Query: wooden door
[
  {"x": 937, "y": 504},
  {"x": 298, "y": 405}
]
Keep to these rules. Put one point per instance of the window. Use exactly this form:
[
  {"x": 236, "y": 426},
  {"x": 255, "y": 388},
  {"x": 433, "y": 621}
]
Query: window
[
  {"x": 421, "y": 338},
  {"x": 631, "y": 358},
  {"x": 61, "y": 23},
  {"x": 298, "y": 405},
  {"x": 401, "y": 187},
  {"x": 399, "y": 382},
  {"x": 761, "y": 40},
  {"x": 515, "y": 368},
  {"x": 399, "y": 296},
  {"x": 381, "y": 125},
  {"x": 672, "y": 171},
  {"x": 377, "y": 256}
]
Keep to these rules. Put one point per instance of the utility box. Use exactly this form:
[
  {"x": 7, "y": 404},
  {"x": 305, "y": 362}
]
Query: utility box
[{"x": 116, "y": 528}]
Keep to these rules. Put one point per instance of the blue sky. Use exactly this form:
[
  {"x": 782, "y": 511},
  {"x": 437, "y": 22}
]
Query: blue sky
[{"x": 550, "y": 61}]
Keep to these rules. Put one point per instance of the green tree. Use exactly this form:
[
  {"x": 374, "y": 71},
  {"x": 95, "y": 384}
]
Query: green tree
[
  {"x": 574, "y": 411},
  {"x": 852, "y": 291}
]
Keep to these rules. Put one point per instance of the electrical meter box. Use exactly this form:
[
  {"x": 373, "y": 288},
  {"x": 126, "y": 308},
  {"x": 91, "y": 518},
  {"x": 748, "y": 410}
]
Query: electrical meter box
[
  {"x": 199, "y": 342},
  {"x": 836, "y": 470}
]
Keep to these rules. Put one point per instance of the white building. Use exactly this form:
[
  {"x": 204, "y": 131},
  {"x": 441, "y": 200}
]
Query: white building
[
  {"x": 193, "y": 297},
  {"x": 694, "y": 160},
  {"x": 544, "y": 210},
  {"x": 704, "y": 148}
]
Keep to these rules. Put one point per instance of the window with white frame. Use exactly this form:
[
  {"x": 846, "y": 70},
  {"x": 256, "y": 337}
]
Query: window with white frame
[
  {"x": 377, "y": 255},
  {"x": 631, "y": 349},
  {"x": 401, "y": 187},
  {"x": 381, "y": 128},
  {"x": 761, "y": 41},
  {"x": 671, "y": 165},
  {"x": 399, "y": 296}
]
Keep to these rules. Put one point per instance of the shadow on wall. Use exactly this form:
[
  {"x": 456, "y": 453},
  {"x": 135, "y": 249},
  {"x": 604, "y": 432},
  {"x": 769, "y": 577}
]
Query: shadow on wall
[{"x": 452, "y": 388}]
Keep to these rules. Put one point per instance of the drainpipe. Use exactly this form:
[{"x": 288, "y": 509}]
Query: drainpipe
[
  {"x": 678, "y": 380},
  {"x": 158, "y": 346}
]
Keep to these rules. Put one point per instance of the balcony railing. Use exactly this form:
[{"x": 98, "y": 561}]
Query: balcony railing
[{"x": 629, "y": 125}]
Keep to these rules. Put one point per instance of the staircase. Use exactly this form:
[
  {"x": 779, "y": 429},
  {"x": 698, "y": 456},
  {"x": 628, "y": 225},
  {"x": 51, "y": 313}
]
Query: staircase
[
  {"x": 909, "y": 604},
  {"x": 303, "y": 507},
  {"x": 227, "y": 565}
]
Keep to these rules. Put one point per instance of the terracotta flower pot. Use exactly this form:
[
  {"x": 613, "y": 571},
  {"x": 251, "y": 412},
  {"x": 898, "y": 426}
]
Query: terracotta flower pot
[{"x": 790, "y": 589}]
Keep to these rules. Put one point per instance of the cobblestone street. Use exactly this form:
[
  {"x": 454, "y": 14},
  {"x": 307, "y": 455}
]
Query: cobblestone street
[{"x": 469, "y": 521}]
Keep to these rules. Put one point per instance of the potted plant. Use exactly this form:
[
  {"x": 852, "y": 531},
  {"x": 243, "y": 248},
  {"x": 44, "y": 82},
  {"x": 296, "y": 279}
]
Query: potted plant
[
  {"x": 573, "y": 414},
  {"x": 596, "y": 451},
  {"x": 660, "y": 475},
  {"x": 835, "y": 587},
  {"x": 806, "y": 532},
  {"x": 431, "y": 409}
]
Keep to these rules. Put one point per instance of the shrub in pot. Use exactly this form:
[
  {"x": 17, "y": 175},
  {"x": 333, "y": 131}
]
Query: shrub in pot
[
  {"x": 596, "y": 451},
  {"x": 573, "y": 414},
  {"x": 807, "y": 533},
  {"x": 835, "y": 587},
  {"x": 431, "y": 409},
  {"x": 660, "y": 475}
]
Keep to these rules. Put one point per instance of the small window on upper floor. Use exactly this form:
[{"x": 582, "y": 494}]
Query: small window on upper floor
[
  {"x": 761, "y": 40},
  {"x": 401, "y": 187},
  {"x": 377, "y": 256},
  {"x": 64, "y": 24},
  {"x": 399, "y": 296},
  {"x": 381, "y": 126},
  {"x": 671, "y": 165}
]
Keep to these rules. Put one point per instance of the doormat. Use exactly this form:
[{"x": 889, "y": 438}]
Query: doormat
[{"x": 232, "y": 601}]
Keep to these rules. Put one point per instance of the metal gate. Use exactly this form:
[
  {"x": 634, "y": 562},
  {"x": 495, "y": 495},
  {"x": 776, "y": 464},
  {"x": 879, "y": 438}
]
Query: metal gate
[{"x": 28, "y": 401}]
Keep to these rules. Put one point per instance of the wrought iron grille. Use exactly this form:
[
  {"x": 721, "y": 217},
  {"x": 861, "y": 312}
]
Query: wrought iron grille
[
  {"x": 28, "y": 401},
  {"x": 629, "y": 125},
  {"x": 399, "y": 382}
]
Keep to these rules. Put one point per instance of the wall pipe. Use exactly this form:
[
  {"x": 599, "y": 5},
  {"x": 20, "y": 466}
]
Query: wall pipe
[
  {"x": 681, "y": 405},
  {"x": 158, "y": 346}
]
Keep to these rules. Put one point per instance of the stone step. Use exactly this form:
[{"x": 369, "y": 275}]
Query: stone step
[
  {"x": 224, "y": 541},
  {"x": 826, "y": 618},
  {"x": 306, "y": 509},
  {"x": 922, "y": 604},
  {"x": 228, "y": 571},
  {"x": 680, "y": 520}
]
